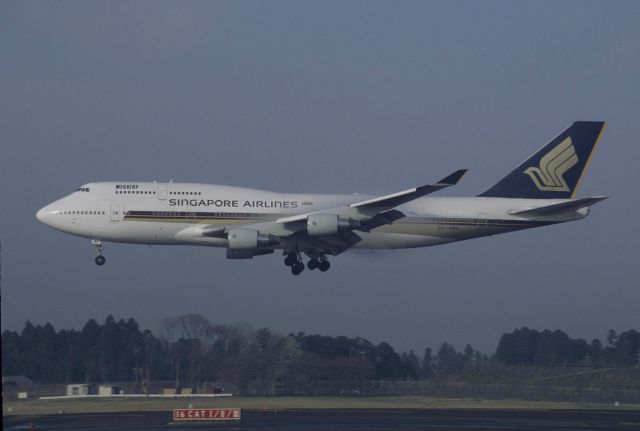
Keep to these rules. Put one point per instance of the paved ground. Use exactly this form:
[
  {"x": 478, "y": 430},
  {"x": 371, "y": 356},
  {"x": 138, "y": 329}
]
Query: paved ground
[{"x": 346, "y": 419}]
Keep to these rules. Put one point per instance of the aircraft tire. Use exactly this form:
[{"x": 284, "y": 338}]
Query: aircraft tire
[
  {"x": 312, "y": 264},
  {"x": 297, "y": 268},
  {"x": 324, "y": 265},
  {"x": 100, "y": 260},
  {"x": 290, "y": 260}
]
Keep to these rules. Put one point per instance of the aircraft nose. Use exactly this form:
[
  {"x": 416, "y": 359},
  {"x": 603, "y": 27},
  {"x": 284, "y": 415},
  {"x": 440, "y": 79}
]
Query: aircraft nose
[{"x": 44, "y": 214}]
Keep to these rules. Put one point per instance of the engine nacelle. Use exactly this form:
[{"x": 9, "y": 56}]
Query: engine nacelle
[
  {"x": 249, "y": 239},
  {"x": 325, "y": 224}
]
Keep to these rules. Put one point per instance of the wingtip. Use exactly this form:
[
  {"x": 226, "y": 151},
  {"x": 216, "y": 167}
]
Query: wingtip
[{"x": 454, "y": 178}]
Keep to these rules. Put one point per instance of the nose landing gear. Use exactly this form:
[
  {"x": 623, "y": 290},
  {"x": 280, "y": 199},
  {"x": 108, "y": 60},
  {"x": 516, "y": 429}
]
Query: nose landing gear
[{"x": 100, "y": 260}]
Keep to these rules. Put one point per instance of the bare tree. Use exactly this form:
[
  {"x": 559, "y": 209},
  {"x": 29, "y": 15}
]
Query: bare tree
[{"x": 186, "y": 338}]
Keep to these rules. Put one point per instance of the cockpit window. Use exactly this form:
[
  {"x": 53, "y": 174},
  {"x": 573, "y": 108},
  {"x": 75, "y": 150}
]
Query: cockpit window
[{"x": 82, "y": 189}]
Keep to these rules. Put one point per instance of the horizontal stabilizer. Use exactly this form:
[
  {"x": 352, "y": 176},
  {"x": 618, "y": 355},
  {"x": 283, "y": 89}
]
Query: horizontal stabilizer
[{"x": 557, "y": 209}]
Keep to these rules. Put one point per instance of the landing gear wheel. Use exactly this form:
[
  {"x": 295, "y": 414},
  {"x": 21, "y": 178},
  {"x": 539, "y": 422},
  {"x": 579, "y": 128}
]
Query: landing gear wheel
[
  {"x": 297, "y": 268},
  {"x": 100, "y": 260},
  {"x": 324, "y": 265},
  {"x": 291, "y": 259},
  {"x": 312, "y": 264}
]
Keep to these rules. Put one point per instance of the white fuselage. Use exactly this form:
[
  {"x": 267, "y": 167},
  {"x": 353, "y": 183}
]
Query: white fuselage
[{"x": 176, "y": 213}]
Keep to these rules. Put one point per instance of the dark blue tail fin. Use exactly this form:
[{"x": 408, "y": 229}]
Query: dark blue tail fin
[{"x": 555, "y": 171}]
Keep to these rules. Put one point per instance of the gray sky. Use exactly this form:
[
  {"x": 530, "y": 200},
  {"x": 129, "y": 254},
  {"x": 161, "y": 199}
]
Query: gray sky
[{"x": 321, "y": 97}]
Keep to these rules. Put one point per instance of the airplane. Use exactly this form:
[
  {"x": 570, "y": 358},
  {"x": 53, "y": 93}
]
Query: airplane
[{"x": 250, "y": 222}]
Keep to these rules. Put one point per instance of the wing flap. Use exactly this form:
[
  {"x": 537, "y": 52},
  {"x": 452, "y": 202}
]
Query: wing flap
[{"x": 332, "y": 245}]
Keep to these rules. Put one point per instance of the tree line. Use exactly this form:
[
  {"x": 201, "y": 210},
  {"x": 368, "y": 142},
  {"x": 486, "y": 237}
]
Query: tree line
[
  {"x": 555, "y": 348},
  {"x": 191, "y": 351}
]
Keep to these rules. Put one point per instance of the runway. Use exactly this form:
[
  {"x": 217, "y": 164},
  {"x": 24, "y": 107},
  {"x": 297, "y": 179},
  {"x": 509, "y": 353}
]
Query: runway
[{"x": 347, "y": 419}]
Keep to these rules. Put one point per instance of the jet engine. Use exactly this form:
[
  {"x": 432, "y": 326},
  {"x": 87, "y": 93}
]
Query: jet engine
[
  {"x": 249, "y": 239},
  {"x": 326, "y": 224}
]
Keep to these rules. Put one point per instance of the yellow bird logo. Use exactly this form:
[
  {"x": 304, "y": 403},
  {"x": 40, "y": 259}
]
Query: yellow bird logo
[{"x": 548, "y": 177}]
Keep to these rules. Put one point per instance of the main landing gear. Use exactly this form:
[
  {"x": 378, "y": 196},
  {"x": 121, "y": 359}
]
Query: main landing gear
[
  {"x": 100, "y": 260},
  {"x": 294, "y": 260},
  {"x": 320, "y": 263}
]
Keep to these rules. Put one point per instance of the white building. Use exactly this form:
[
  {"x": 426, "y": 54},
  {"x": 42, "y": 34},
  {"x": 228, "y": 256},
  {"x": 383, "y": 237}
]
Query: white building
[
  {"x": 80, "y": 390},
  {"x": 109, "y": 390}
]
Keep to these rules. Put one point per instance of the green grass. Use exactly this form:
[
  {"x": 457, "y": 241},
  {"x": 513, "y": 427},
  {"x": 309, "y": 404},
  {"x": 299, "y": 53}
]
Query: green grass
[{"x": 44, "y": 407}]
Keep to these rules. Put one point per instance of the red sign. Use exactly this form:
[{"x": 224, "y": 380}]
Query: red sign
[{"x": 206, "y": 414}]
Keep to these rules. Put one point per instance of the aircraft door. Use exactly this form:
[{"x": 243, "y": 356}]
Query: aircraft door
[
  {"x": 114, "y": 213},
  {"x": 162, "y": 191}
]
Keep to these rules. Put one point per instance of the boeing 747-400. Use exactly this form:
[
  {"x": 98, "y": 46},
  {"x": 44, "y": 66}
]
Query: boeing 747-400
[{"x": 249, "y": 222}]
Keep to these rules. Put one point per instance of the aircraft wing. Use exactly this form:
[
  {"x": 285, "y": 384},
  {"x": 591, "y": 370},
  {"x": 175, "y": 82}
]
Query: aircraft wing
[
  {"x": 397, "y": 199},
  {"x": 375, "y": 206},
  {"x": 333, "y": 230},
  {"x": 359, "y": 216},
  {"x": 331, "y": 244}
]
